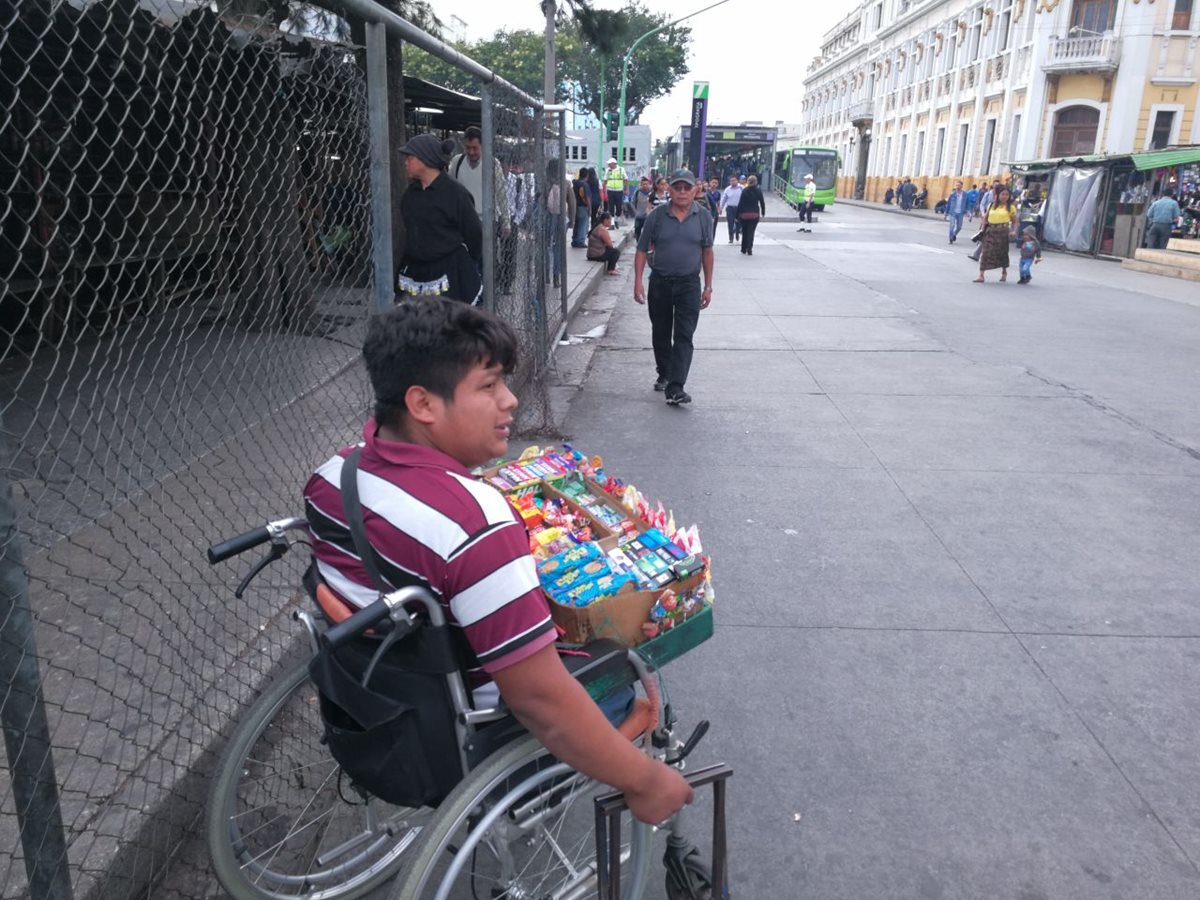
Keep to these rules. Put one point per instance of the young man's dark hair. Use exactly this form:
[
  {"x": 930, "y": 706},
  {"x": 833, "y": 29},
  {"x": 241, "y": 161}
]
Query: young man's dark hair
[
  {"x": 473, "y": 133},
  {"x": 431, "y": 343}
]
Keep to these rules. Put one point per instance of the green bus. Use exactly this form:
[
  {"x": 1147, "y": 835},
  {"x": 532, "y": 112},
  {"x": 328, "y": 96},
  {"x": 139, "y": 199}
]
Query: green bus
[{"x": 793, "y": 164}]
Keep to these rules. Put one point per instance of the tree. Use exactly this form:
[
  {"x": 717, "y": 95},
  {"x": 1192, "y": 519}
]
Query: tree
[
  {"x": 517, "y": 56},
  {"x": 654, "y": 69}
]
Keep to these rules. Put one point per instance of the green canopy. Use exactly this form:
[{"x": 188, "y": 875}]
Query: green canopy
[
  {"x": 1151, "y": 159},
  {"x": 1161, "y": 159}
]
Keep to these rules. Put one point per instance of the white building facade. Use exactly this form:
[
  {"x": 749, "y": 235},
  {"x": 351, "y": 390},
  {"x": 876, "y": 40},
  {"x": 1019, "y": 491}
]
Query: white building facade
[
  {"x": 587, "y": 148},
  {"x": 938, "y": 90}
]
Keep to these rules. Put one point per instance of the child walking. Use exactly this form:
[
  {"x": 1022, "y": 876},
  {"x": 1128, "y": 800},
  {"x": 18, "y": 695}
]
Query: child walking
[{"x": 1031, "y": 252}]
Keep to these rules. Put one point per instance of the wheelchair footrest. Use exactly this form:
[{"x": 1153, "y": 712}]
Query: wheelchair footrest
[{"x": 608, "y": 834}]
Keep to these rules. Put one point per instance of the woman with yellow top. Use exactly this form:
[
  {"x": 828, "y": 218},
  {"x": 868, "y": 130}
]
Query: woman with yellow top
[{"x": 1001, "y": 228}]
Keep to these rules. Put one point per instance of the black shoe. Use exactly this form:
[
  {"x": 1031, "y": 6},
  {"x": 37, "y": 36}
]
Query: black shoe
[
  {"x": 661, "y": 384},
  {"x": 678, "y": 397}
]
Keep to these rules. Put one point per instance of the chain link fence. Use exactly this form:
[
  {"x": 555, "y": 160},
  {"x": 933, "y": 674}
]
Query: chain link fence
[{"x": 194, "y": 219}]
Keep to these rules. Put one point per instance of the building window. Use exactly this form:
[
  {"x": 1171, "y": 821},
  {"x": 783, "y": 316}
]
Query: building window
[
  {"x": 631, "y": 154},
  {"x": 878, "y": 15},
  {"x": 1004, "y": 26},
  {"x": 989, "y": 141},
  {"x": 1075, "y": 130},
  {"x": 1015, "y": 142},
  {"x": 1181, "y": 18},
  {"x": 919, "y": 160},
  {"x": 976, "y": 36},
  {"x": 950, "y": 51},
  {"x": 1095, "y": 16},
  {"x": 939, "y": 158},
  {"x": 583, "y": 153},
  {"x": 902, "y": 160},
  {"x": 1164, "y": 123},
  {"x": 962, "y": 149}
]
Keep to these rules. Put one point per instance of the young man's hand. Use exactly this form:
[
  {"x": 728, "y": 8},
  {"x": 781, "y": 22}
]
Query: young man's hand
[
  {"x": 639, "y": 292},
  {"x": 663, "y": 794}
]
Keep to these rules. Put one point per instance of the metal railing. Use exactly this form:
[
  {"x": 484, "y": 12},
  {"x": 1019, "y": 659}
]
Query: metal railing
[
  {"x": 1083, "y": 52},
  {"x": 198, "y": 224}
]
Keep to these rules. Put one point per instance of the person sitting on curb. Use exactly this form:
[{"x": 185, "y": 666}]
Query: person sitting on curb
[{"x": 600, "y": 244}]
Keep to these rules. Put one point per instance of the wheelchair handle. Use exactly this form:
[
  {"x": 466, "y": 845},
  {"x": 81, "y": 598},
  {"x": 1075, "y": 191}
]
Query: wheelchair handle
[{"x": 388, "y": 606}]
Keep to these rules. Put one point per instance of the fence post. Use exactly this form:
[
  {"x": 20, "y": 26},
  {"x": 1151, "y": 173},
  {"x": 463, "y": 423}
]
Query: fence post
[
  {"x": 560, "y": 241},
  {"x": 23, "y": 717},
  {"x": 541, "y": 240},
  {"x": 488, "y": 213},
  {"x": 381, "y": 167}
]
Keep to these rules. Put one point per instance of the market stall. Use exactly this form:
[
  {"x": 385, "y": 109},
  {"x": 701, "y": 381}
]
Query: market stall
[{"x": 1097, "y": 204}]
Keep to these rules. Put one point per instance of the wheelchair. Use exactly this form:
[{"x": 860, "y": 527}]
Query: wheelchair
[{"x": 284, "y": 820}]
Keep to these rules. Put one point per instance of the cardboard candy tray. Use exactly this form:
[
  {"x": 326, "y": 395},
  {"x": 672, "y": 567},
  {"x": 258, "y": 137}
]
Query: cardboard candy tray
[{"x": 667, "y": 646}]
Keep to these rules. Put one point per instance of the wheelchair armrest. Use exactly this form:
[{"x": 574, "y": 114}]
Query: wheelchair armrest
[{"x": 601, "y": 666}]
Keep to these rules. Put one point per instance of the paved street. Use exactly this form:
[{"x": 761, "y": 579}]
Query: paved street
[
  {"x": 956, "y": 542},
  {"x": 957, "y": 552}
]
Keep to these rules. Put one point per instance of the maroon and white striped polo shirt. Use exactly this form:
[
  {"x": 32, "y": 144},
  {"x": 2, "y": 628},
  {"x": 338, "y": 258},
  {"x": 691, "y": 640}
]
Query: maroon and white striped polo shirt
[{"x": 427, "y": 517}]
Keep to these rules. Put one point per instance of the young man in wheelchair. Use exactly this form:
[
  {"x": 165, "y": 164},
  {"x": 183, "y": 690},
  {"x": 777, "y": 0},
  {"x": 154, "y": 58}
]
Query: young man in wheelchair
[{"x": 442, "y": 405}]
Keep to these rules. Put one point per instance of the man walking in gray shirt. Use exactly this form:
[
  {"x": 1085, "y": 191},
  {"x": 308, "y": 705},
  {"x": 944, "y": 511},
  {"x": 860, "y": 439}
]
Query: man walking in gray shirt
[{"x": 681, "y": 235}]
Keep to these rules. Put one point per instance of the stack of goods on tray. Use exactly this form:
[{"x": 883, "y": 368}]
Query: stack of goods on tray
[{"x": 613, "y": 564}]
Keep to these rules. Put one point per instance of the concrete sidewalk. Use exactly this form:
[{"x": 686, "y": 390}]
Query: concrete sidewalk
[{"x": 953, "y": 529}]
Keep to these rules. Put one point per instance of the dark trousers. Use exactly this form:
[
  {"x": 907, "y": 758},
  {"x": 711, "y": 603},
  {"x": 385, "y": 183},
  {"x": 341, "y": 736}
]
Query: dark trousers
[
  {"x": 1157, "y": 235},
  {"x": 806, "y": 212},
  {"x": 616, "y": 199},
  {"x": 674, "y": 306},
  {"x": 611, "y": 255},
  {"x": 506, "y": 260},
  {"x": 638, "y": 225},
  {"x": 735, "y": 226},
  {"x": 748, "y": 228}
]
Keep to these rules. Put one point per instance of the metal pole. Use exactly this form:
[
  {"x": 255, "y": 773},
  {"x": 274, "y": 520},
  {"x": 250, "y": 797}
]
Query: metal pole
[
  {"x": 541, "y": 299},
  {"x": 564, "y": 185},
  {"x": 23, "y": 718},
  {"x": 603, "y": 127},
  {"x": 488, "y": 213},
  {"x": 381, "y": 168},
  {"x": 549, "y": 80},
  {"x": 625, "y": 74}
]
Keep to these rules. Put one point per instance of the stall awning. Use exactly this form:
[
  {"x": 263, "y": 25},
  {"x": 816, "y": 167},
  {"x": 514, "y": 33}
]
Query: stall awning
[
  {"x": 1151, "y": 159},
  {"x": 1161, "y": 159}
]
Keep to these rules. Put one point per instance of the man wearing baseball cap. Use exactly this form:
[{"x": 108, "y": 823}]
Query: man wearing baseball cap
[{"x": 681, "y": 235}]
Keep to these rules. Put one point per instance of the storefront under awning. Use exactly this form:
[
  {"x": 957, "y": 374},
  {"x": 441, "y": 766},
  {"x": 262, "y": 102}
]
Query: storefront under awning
[{"x": 1096, "y": 203}]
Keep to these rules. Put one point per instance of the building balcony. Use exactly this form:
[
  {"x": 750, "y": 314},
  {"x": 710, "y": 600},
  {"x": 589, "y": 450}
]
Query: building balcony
[
  {"x": 862, "y": 113},
  {"x": 1083, "y": 53}
]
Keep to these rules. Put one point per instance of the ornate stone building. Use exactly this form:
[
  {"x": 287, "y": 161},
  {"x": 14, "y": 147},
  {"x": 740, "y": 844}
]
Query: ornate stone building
[{"x": 944, "y": 89}]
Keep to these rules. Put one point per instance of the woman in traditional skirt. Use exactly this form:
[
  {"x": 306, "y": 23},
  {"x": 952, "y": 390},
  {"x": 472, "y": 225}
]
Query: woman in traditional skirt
[
  {"x": 1000, "y": 229},
  {"x": 443, "y": 236}
]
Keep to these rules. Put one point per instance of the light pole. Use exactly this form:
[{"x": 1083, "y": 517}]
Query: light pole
[{"x": 625, "y": 73}]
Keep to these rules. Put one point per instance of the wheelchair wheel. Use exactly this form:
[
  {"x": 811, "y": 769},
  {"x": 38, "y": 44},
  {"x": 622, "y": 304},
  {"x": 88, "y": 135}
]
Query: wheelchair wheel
[
  {"x": 283, "y": 821},
  {"x": 521, "y": 825}
]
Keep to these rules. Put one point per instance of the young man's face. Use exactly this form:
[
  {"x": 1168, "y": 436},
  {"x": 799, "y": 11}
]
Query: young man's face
[
  {"x": 713, "y": 184},
  {"x": 733, "y": 181},
  {"x": 474, "y": 427},
  {"x": 473, "y": 148}
]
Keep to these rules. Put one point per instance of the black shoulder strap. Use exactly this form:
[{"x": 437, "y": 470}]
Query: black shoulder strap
[{"x": 354, "y": 518}]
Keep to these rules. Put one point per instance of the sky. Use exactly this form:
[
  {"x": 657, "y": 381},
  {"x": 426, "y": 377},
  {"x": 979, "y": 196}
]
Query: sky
[{"x": 754, "y": 54}]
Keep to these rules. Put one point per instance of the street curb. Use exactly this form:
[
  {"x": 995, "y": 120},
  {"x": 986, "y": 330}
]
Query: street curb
[{"x": 894, "y": 210}]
